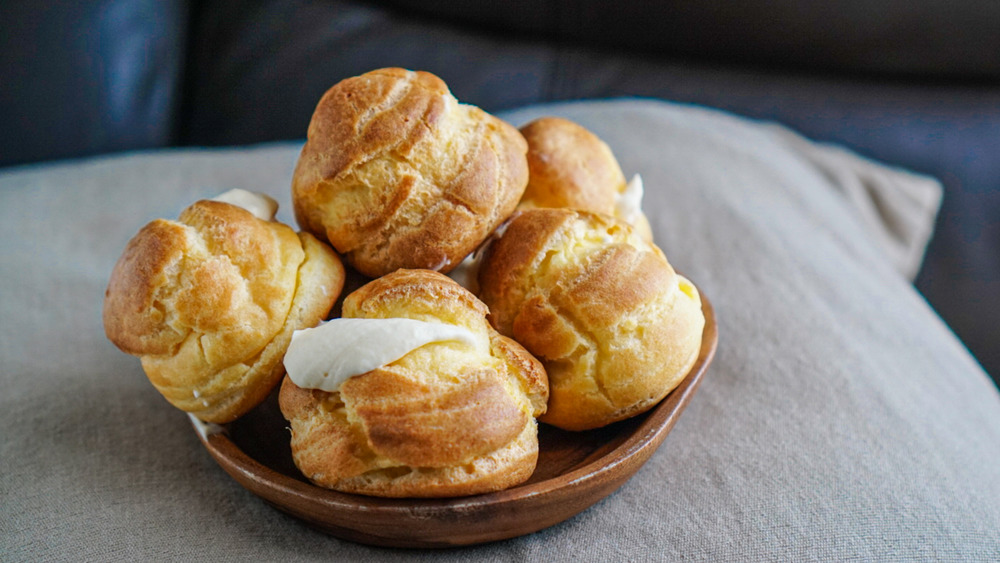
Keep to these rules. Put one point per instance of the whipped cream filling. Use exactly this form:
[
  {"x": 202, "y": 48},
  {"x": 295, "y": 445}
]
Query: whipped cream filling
[
  {"x": 328, "y": 355},
  {"x": 687, "y": 288},
  {"x": 205, "y": 429},
  {"x": 262, "y": 206},
  {"x": 466, "y": 274},
  {"x": 628, "y": 204}
]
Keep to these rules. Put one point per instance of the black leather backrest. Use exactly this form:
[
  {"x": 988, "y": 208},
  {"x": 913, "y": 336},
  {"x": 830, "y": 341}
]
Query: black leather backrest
[
  {"x": 904, "y": 37},
  {"x": 87, "y": 77}
]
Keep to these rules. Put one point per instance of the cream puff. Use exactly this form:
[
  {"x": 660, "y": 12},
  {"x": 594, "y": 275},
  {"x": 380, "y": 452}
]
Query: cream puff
[
  {"x": 209, "y": 302},
  {"x": 396, "y": 173},
  {"x": 615, "y": 327},
  {"x": 412, "y": 394},
  {"x": 571, "y": 167}
]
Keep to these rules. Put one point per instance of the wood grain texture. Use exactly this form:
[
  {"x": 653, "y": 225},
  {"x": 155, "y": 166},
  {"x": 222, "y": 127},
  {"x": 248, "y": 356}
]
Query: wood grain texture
[{"x": 575, "y": 470}]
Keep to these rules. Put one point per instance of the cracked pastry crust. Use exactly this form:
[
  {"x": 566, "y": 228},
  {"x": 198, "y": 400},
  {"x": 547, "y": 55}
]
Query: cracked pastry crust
[
  {"x": 447, "y": 419},
  {"x": 615, "y": 327},
  {"x": 209, "y": 303},
  {"x": 570, "y": 167},
  {"x": 396, "y": 173}
]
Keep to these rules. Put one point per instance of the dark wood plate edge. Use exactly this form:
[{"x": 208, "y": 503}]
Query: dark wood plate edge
[{"x": 361, "y": 519}]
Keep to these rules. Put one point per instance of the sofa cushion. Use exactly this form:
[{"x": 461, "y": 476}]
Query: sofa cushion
[{"x": 841, "y": 419}]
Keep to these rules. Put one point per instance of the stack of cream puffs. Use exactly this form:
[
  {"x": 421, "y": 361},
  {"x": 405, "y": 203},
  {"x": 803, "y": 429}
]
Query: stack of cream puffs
[{"x": 419, "y": 387}]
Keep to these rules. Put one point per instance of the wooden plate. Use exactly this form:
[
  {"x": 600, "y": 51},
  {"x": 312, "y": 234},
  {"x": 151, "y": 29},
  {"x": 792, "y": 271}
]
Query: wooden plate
[{"x": 574, "y": 471}]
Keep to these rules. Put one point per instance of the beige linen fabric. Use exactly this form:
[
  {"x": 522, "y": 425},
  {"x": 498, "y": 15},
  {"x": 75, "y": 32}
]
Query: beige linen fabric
[
  {"x": 897, "y": 207},
  {"x": 840, "y": 421}
]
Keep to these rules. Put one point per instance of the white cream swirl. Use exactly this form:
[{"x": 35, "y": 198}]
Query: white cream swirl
[
  {"x": 628, "y": 204},
  {"x": 326, "y": 356},
  {"x": 262, "y": 206}
]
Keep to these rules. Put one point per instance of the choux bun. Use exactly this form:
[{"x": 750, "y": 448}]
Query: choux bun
[
  {"x": 615, "y": 327},
  {"x": 571, "y": 167},
  {"x": 396, "y": 173},
  {"x": 446, "y": 419},
  {"x": 209, "y": 303}
]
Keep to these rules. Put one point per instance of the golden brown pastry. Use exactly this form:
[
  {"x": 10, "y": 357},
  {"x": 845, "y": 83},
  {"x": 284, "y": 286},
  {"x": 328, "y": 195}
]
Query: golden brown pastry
[
  {"x": 615, "y": 327},
  {"x": 568, "y": 166},
  {"x": 209, "y": 303},
  {"x": 397, "y": 174},
  {"x": 446, "y": 419}
]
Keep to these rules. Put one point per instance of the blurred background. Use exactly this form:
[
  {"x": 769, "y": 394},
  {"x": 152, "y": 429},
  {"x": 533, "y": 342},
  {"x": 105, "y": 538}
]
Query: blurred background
[{"x": 910, "y": 83}]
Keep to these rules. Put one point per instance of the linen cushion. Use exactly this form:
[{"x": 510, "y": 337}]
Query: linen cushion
[{"x": 840, "y": 420}]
